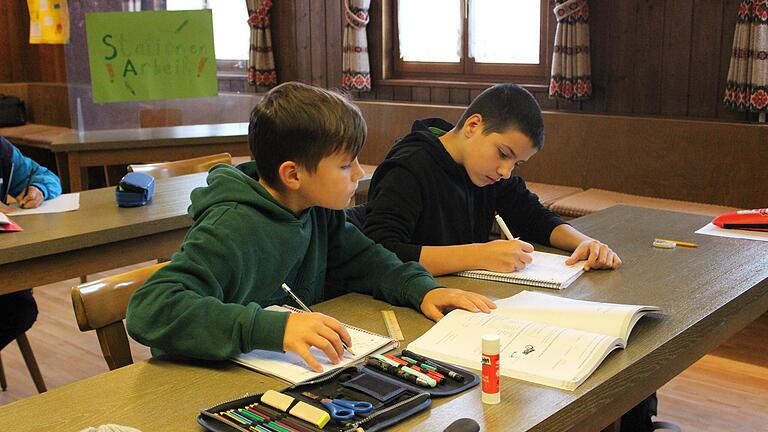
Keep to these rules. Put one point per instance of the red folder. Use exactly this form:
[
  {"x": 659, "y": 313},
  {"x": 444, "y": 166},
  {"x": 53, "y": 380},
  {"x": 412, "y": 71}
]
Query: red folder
[
  {"x": 754, "y": 220},
  {"x": 11, "y": 226}
]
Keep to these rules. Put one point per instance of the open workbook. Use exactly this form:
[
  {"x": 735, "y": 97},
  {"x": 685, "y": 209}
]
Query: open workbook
[
  {"x": 547, "y": 271},
  {"x": 292, "y": 368},
  {"x": 545, "y": 339}
]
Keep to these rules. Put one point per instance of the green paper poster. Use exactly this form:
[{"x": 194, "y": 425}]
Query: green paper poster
[{"x": 151, "y": 55}]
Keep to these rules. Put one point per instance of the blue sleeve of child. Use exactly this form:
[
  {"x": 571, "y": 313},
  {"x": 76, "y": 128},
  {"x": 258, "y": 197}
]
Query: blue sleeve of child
[{"x": 43, "y": 178}]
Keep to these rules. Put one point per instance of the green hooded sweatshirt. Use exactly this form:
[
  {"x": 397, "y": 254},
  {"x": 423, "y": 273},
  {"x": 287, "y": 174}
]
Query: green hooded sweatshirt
[{"x": 207, "y": 302}]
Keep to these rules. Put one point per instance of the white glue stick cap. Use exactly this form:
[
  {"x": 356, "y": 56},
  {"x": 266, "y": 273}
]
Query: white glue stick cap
[{"x": 491, "y": 344}]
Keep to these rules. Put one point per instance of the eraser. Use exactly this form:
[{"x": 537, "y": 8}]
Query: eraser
[
  {"x": 277, "y": 400},
  {"x": 664, "y": 244},
  {"x": 311, "y": 414}
]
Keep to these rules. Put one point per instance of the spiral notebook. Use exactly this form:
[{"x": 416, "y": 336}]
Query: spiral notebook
[
  {"x": 293, "y": 369},
  {"x": 547, "y": 271}
]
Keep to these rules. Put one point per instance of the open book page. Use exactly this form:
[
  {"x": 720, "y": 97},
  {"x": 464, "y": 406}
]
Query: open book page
[
  {"x": 550, "y": 269},
  {"x": 292, "y": 368},
  {"x": 610, "y": 319},
  {"x": 531, "y": 351}
]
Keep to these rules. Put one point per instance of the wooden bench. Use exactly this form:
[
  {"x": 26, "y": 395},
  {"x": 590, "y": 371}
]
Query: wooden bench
[{"x": 590, "y": 162}]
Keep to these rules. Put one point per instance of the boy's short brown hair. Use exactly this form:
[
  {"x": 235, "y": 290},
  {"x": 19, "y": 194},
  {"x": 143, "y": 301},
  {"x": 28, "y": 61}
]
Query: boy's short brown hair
[{"x": 304, "y": 124}]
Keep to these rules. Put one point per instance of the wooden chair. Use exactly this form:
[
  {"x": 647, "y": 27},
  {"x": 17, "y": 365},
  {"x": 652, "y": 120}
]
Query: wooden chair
[
  {"x": 181, "y": 167},
  {"x": 100, "y": 305},
  {"x": 29, "y": 359}
]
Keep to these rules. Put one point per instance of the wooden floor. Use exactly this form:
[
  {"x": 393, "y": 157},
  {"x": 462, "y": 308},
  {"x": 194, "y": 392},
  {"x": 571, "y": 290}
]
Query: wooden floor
[{"x": 725, "y": 391}]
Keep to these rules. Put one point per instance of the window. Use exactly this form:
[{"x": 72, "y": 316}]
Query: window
[
  {"x": 231, "y": 33},
  {"x": 470, "y": 39}
]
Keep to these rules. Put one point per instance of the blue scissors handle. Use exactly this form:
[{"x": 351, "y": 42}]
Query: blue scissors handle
[{"x": 342, "y": 409}]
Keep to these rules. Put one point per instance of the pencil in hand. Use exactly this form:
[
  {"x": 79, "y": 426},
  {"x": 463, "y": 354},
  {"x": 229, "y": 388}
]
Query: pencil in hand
[{"x": 32, "y": 172}]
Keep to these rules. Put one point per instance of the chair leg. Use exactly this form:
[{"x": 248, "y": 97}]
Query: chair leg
[
  {"x": 3, "y": 384},
  {"x": 29, "y": 359}
]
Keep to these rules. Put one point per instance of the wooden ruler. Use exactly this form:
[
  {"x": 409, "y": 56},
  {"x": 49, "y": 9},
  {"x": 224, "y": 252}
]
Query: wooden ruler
[{"x": 393, "y": 328}]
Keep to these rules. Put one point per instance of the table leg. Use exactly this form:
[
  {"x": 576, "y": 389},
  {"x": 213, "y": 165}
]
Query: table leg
[{"x": 75, "y": 179}]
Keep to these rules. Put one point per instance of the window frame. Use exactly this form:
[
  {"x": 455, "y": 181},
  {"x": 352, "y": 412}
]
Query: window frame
[{"x": 467, "y": 70}]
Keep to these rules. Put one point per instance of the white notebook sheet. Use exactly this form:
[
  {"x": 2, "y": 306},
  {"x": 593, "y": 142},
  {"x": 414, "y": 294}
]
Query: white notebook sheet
[
  {"x": 293, "y": 369},
  {"x": 547, "y": 271}
]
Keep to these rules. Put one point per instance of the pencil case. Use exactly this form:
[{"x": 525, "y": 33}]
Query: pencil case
[{"x": 391, "y": 401}]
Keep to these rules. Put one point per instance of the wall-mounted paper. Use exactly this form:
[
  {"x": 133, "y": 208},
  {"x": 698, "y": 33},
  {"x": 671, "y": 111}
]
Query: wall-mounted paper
[
  {"x": 151, "y": 55},
  {"x": 48, "y": 21}
]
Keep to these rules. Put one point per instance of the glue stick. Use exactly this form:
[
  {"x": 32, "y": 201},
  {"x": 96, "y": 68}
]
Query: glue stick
[{"x": 491, "y": 388}]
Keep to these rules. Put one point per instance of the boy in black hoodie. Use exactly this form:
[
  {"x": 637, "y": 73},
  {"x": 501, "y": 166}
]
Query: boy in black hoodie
[{"x": 433, "y": 198}]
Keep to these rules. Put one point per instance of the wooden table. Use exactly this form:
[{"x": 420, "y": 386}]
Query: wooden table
[
  {"x": 707, "y": 293},
  {"x": 75, "y": 151},
  {"x": 99, "y": 236}
]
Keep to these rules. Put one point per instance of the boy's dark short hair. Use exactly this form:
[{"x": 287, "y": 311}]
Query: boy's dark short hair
[
  {"x": 507, "y": 107},
  {"x": 304, "y": 124}
]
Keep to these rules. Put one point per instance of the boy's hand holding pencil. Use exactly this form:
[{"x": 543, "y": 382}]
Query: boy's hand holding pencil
[{"x": 30, "y": 197}]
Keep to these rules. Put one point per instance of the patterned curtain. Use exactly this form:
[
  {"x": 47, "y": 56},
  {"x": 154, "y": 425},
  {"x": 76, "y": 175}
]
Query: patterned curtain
[
  {"x": 261, "y": 63},
  {"x": 747, "y": 86},
  {"x": 356, "y": 75},
  {"x": 571, "y": 72}
]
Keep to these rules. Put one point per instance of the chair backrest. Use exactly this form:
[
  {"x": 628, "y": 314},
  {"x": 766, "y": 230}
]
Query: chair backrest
[
  {"x": 162, "y": 170},
  {"x": 100, "y": 305}
]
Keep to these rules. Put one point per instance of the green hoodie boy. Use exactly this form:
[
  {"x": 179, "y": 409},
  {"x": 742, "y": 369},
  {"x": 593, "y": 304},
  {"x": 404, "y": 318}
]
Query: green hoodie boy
[{"x": 273, "y": 221}]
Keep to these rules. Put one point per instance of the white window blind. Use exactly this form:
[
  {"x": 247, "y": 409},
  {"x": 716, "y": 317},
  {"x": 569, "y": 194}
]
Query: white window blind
[
  {"x": 504, "y": 31},
  {"x": 231, "y": 33},
  {"x": 429, "y": 30}
]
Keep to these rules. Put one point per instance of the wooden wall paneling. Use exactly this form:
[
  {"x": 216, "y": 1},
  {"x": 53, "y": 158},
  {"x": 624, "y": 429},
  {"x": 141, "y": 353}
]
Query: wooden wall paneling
[
  {"x": 440, "y": 95},
  {"x": 474, "y": 92},
  {"x": 317, "y": 44},
  {"x": 648, "y": 58},
  {"x": 703, "y": 94},
  {"x": 730, "y": 9},
  {"x": 567, "y": 105},
  {"x": 334, "y": 42},
  {"x": 284, "y": 39},
  {"x": 618, "y": 80},
  {"x": 303, "y": 42},
  {"x": 6, "y": 23},
  {"x": 48, "y": 103},
  {"x": 16, "y": 36},
  {"x": 676, "y": 57},
  {"x": 385, "y": 92},
  {"x": 421, "y": 94},
  {"x": 402, "y": 93},
  {"x": 459, "y": 96}
]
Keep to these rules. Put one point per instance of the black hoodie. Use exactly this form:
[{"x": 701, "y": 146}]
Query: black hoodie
[{"x": 419, "y": 196}]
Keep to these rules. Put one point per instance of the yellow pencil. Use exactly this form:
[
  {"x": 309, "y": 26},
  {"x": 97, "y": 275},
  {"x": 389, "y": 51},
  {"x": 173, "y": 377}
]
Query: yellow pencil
[{"x": 680, "y": 243}]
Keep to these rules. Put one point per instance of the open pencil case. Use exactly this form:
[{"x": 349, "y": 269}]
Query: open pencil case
[{"x": 391, "y": 401}]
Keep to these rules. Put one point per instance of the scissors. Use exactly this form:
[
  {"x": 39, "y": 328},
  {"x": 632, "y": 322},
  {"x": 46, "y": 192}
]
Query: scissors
[{"x": 342, "y": 409}]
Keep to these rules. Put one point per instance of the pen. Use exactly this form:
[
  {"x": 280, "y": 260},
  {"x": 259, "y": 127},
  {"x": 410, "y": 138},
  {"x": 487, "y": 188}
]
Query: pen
[
  {"x": 453, "y": 375},
  {"x": 680, "y": 243},
  {"x": 504, "y": 228},
  {"x": 29, "y": 182},
  {"x": 287, "y": 289},
  {"x": 392, "y": 370}
]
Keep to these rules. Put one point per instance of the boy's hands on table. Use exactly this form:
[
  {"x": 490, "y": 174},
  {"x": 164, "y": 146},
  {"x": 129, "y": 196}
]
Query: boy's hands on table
[
  {"x": 312, "y": 329},
  {"x": 439, "y": 299},
  {"x": 597, "y": 254}
]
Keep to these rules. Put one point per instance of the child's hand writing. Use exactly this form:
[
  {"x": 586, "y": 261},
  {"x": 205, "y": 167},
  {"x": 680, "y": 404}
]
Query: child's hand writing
[
  {"x": 5, "y": 209},
  {"x": 598, "y": 256},
  {"x": 505, "y": 255},
  {"x": 306, "y": 330},
  {"x": 31, "y": 198},
  {"x": 440, "y": 299}
]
